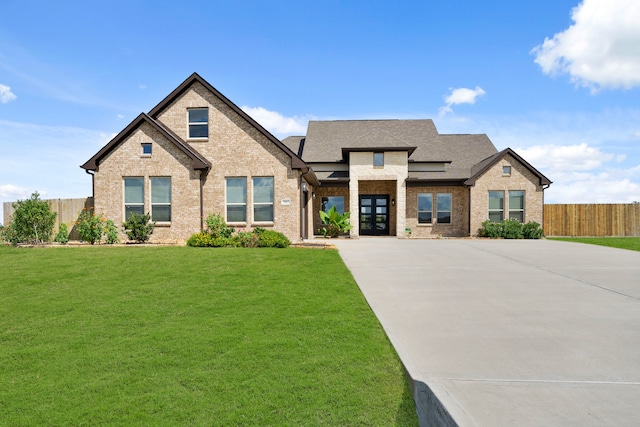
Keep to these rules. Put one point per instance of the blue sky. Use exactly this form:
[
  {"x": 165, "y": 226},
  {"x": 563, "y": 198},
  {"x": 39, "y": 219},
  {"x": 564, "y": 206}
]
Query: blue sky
[{"x": 556, "y": 80}]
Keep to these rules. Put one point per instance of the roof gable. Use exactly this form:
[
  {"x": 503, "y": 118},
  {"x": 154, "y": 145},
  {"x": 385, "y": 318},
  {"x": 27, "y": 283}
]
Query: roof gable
[
  {"x": 199, "y": 162},
  {"x": 480, "y": 168},
  {"x": 296, "y": 162}
]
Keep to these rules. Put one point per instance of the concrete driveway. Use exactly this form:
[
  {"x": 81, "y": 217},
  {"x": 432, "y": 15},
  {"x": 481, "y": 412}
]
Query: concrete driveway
[{"x": 509, "y": 332}]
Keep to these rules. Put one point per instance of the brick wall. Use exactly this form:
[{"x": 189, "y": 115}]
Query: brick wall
[
  {"x": 493, "y": 179},
  {"x": 459, "y": 226},
  {"x": 234, "y": 148}
]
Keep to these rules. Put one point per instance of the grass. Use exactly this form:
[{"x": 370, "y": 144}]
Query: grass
[
  {"x": 171, "y": 336},
  {"x": 631, "y": 243}
]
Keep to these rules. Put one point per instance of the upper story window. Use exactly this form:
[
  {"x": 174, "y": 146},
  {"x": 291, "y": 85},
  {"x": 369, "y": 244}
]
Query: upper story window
[
  {"x": 198, "y": 122},
  {"x": 378, "y": 159},
  {"x": 506, "y": 170},
  {"x": 146, "y": 148}
]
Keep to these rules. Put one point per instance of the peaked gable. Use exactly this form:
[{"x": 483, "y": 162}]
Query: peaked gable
[
  {"x": 199, "y": 162},
  {"x": 296, "y": 162},
  {"x": 479, "y": 169}
]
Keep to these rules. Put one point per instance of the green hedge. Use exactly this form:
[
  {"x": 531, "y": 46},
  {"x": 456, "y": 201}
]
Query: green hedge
[{"x": 510, "y": 229}]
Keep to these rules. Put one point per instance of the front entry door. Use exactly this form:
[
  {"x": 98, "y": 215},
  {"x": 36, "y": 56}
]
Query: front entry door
[{"x": 374, "y": 215}]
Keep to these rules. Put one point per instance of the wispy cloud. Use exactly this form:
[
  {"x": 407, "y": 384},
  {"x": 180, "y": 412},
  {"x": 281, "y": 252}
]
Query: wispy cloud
[
  {"x": 277, "y": 123},
  {"x": 459, "y": 96},
  {"x": 6, "y": 95},
  {"x": 600, "y": 50}
]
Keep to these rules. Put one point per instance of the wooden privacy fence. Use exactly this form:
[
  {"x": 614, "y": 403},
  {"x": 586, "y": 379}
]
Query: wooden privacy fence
[
  {"x": 592, "y": 220},
  {"x": 68, "y": 211}
]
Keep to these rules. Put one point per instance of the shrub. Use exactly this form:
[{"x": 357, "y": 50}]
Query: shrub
[
  {"x": 245, "y": 239},
  {"x": 512, "y": 229},
  {"x": 138, "y": 227},
  {"x": 32, "y": 221},
  {"x": 8, "y": 235},
  {"x": 217, "y": 227},
  {"x": 272, "y": 239},
  {"x": 90, "y": 226},
  {"x": 206, "y": 240},
  {"x": 111, "y": 233},
  {"x": 491, "y": 229},
  {"x": 532, "y": 230},
  {"x": 63, "y": 234}
]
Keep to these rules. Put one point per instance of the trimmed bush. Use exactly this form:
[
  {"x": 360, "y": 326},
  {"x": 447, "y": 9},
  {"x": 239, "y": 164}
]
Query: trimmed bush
[
  {"x": 512, "y": 229},
  {"x": 532, "y": 230},
  {"x": 217, "y": 227},
  {"x": 272, "y": 239},
  {"x": 245, "y": 239},
  {"x": 138, "y": 227},
  {"x": 63, "y": 234}
]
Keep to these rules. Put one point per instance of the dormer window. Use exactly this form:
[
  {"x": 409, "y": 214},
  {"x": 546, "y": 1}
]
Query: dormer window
[
  {"x": 378, "y": 159},
  {"x": 198, "y": 122},
  {"x": 146, "y": 149}
]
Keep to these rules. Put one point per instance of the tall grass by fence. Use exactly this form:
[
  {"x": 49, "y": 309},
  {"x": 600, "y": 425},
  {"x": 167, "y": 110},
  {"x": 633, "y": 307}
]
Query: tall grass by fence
[
  {"x": 68, "y": 211},
  {"x": 595, "y": 220}
]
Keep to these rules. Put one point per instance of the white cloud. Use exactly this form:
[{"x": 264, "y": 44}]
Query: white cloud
[
  {"x": 578, "y": 157},
  {"x": 9, "y": 191},
  {"x": 600, "y": 49},
  {"x": 276, "y": 123},
  {"x": 581, "y": 174},
  {"x": 6, "y": 95},
  {"x": 461, "y": 95}
]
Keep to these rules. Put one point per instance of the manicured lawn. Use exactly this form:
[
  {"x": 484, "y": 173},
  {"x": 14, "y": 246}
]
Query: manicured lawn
[
  {"x": 632, "y": 243},
  {"x": 188, "y": 336}
]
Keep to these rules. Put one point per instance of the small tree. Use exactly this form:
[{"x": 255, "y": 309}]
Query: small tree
[
  {"x": 138, "y": 227},
  {"x": 32, "y": 220}
]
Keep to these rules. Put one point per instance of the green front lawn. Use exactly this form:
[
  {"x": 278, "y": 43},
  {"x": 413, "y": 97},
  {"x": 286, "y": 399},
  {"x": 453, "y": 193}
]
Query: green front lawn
[
  {"x": 632, "y": 243},
  {"x": 189, "y": 336}
]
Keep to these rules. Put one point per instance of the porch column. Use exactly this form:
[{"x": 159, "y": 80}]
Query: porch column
[
  {"x": 354, "y": 208},
  {"x": 401, "y": 207}
]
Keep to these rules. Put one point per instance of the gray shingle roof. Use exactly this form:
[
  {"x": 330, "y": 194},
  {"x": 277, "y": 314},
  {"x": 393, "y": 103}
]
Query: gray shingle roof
[{"x": 325, "y": 141}]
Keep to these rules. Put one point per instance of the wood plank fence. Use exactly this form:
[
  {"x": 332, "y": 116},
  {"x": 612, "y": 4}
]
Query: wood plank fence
[
  {"x": 68, "y": 211},
  {"x": 595, "y": 220}
]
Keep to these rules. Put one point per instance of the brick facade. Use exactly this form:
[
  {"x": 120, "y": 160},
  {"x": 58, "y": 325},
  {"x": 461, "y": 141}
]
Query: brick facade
[
  {"x": 493, "y": 179},
  {"x": 459, "y": 226}
]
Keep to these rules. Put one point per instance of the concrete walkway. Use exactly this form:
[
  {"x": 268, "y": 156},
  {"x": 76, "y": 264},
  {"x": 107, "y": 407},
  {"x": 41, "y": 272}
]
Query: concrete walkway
[{"x": 509, "y": 332}]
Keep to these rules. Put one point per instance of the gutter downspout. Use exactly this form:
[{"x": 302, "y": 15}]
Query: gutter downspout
[
  {"x": 93, "y": 185},
  {"x": 203, "y": 175},
  {"x": 303, "y": 223}
]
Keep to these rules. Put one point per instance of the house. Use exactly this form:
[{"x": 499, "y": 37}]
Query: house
[{"x": 197, "y": 153}]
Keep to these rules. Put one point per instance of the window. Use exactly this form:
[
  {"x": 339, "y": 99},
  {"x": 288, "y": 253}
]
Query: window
[
  {"x": 198, "y": 122},
  {"x": 146, "y": 148},
  {"x": 496, "y": 206},
  {"x": 330, "y": 201},
  {"x": 425, "y": 208},
  {"x": 161, "y": 199},
  {"x": 133, "y": 196},
  {"x": 263, "y": 199},
  {"x": 506, "y": 170},
  {"x": 443, "y": 205},
  {"x": 516, "y": 205},
  {"x": 378, "y": 159},
  {"x": 236, "y": 199}
]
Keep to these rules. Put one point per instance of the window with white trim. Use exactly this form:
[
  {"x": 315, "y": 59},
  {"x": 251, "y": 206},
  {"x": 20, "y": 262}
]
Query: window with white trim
[
  {"x": 161, "y": 199},
  {"x": 236, "y": 199},
  {"x": 516, "y": 205},
  {"x": 263, "y": 199},
  {"x": 496, "y": 206},
  {"x": 443, "y": 208},
  {"x": 198, "y": 122},
  {"x": 133, "y": 196},
  {"x": 425, "y": 208}
]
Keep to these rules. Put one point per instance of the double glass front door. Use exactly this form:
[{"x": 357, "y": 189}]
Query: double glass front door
[{"x": 374, "y": 215}]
